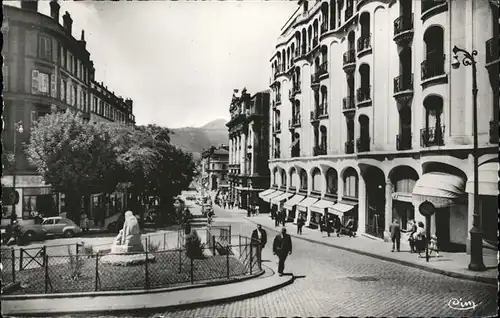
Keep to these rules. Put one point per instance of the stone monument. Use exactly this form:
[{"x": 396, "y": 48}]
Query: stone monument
[{"x": 127, "y": 247}]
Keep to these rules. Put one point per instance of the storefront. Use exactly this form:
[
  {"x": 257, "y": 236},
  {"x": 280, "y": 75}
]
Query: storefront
[
  {"x": 446, "y": 193},
  {"x": 403, "y": 209},
  {"x": 290, "y": 207},
  {"x": 344, "y": 210},
  {"x": 279, "y": 200},
  {"x": 320, "y": 209},
  {"x": 303, "y": 208}
]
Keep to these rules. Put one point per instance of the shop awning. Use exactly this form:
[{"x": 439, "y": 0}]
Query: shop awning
[
  {"x": 306, "y": 203},
  {"x": 439, "y": 188},
  {"x": 293, "y": 201},
  {"x": 340, "y": 208},
  {"x": 272, "y": 195},
  {"x": 321, "y": 205},
  {"x": 488, "y": 179},
  {"x": 265, "y": 193},
  {"x": 280, "y": 198}
]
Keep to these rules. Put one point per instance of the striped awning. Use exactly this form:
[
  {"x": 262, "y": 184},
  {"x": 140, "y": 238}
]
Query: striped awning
[
  {"x": 321, "y": 205},
  {"x": 440, "y": 188},
  {"x": 340, "y": 208},
  {"x": 272, "y": 195},
  {"x": 278, "y": 199},
  {"x": 266, "y": 193},
  {"x": 488, "y": 179},
  {"x": 293, "y": 201},
  {"x": 306, "y": 203}
]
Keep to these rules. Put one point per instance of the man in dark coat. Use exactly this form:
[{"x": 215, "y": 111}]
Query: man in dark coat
[
  {"x": 259, "y": 240},
  {"x": 395, "y": 230},
  {"x": 282, "y": 247}
]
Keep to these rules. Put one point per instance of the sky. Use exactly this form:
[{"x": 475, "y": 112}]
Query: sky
[{"x": 179, "y": 61}]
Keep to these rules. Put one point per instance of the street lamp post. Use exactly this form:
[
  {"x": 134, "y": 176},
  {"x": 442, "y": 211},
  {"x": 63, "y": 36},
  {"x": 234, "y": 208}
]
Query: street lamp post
[
  {"x": 18, "y": 128},
  {"x": 476, "y": 234}
]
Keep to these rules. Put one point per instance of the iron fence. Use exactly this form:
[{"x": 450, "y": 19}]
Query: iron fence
[{"x": 87, "y": 272}]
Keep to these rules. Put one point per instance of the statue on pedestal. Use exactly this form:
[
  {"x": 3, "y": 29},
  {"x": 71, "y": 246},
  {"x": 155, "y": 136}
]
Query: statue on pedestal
[{"x": 128, "y": 239}]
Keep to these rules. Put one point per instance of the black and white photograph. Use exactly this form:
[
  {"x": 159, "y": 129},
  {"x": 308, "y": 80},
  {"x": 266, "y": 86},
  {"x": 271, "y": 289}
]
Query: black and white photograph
[{"x": 250, "y": 158}]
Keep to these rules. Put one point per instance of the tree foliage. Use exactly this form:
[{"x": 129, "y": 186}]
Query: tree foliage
[{"x": 80, "y": 158}]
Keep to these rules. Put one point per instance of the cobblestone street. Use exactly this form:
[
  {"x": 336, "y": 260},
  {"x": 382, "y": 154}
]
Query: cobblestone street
[{"x": 332, "y": 282}]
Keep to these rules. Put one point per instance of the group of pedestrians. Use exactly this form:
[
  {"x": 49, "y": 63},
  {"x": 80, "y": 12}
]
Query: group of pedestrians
[
  {"x": 253, "y": 210},
  {"x": 417, "y": 237},
  {"x": 278, "y": 216},
  {"x": 282, "y": 246}
]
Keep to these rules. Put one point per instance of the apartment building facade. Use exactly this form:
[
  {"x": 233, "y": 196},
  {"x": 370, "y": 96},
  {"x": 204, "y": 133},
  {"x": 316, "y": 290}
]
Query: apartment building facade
[
  {"x": 248, "y": 147},
  {"x": 215, "y": 169},
  {"x": 45, "y": 70},
  {"x": 369, "y": 119}
]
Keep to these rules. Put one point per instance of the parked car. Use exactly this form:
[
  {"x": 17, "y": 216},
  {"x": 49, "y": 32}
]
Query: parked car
[{"x": 58, "y": 226}]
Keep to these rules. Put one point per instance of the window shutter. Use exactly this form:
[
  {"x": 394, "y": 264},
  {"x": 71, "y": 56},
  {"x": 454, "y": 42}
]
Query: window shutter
[
  {"x": 53, "y": 87},
  {"x": 34, "y": 82}
]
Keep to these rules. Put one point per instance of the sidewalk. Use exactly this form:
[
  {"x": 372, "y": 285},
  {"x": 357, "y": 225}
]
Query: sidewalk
[
  {"x": 126, "y": 301},
  {"x": 450, "y": 264}
]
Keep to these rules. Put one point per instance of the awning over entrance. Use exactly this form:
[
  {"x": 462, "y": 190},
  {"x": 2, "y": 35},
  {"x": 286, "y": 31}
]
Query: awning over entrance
[
  {"x": 321, "y": 205},
  {"x": 488, "y": 179},
  {"x": 293, "y": 201},
  {"x": 265, "y": 193},
  {"x": 280, "y": 198},
  {"x": 340, "y": 208},
  {"x": 306, "y": 203},
  {"x": 272, "y": 195},
  {"x": 440, "y": 188}
]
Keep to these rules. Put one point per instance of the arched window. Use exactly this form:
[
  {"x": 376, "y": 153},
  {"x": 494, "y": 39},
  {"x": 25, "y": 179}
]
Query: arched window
[
  {"x": 326, "y": 17},
  {"x": 323, "y": 142},
  {"x": 350, "y": 183},
  {"x": 432, "y": 134},
  {"x": 324, "y": 100},
  {"x": 304, "y": 41},
  {"x": 434, "y": 51},
  {"x": 333, "y": 15},
  {"x": 283, "y": 178},
  {"x": 364, "y": 40},
  {"x": 293, "y": 178},
  {"x": 331, "y": 181},
  {"x": 363, "y": 143},
  {"x": 309, "y": 38},
  {"x": 364, "y": 91},
  {"x": 317, "y": 181},
  {"x": 315, "y": 35},
  {"x": 303, "y": 180},
  {"x": 275, "y": 176}
]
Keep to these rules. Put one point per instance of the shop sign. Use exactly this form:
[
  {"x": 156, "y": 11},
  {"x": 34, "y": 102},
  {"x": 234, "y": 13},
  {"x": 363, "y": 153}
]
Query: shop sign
[{"x": 402, "y": 196}]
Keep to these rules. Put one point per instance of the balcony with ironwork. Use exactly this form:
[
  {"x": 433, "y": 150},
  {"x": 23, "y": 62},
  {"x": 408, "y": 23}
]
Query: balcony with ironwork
[
  {"x": 296, "y": 88},
  {"x": 432, "y": 69},
  {"x": 323, "y": 70},
  {"x": 349, "y": 61},
  {"x": 299, "y": 54},
  {"x": 403, "y": 30},
  {"x": 319, "y": 150},
  {"x": 349, "y": 11},
  {"x": 277, "y": 128},
  {"x": 431, "y": 136},
  {"x": 364, "y": 44},
  {"x": 432, "y": 7},
  {"x": 349, "y": 147},
  {"x": 494, "y": 132},
  {"x": 348, "y": 104},
  {"x": 403, "y": 141},
  {"x": 403, "y": 87},
  {"x": 314, "y": 117},
  {"x": 492, "y": 47},
  {"x": 364, "y": 97},
  {"x": 279, "y": 70},
  {"x": 363, "y": 144},
  {"x": 315, "y": 80},
  {"x": 294, "y": 122}
]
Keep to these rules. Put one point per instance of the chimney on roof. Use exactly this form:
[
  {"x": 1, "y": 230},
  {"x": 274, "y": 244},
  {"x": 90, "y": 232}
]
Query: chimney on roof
[
  {"x": 82, "y": 39},
  {"x": 31, "y": 5},
  {"x": 67, "y": 22},
  {"x": 54, "y": 10}
]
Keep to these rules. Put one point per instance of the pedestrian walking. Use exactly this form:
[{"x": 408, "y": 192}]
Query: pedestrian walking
[
  {"x": 259, "y": 240},
  {"x": 282, "y": 247},
  {"x": 395, "y": 230},
  {"x": 330, "y": 224},
  {"x": 412, "y": 230},
  {"x": 283, "y": 217},
  {"x": 300, "y": 224},
  {"x": 257, "y": 208},
  {"x": 276, "y": 217},
  {"x": 420, "y": 239},
  {"x": 249, "y": 211}
]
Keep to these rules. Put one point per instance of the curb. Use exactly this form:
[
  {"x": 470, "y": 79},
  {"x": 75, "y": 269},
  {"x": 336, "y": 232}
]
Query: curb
[
  {"x": 179, "y": 306},
  {"x": 486, "y": 280}
]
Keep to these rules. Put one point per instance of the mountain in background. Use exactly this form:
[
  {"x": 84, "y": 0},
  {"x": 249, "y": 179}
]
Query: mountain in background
[{"x": 196, "y": 139}]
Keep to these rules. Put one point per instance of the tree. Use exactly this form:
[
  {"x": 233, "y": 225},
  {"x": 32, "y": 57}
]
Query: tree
[
  {"x": 76, "y": 158},
  {"x": 208, "y": 152}
]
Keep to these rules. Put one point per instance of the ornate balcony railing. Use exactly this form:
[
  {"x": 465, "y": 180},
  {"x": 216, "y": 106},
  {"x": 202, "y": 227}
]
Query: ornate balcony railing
[
  {"x": 349, "y": 57},
  {"x": 348, "y": 12},
  {"x": 319, "y": 150},
  {"x": 348, "y": 103},
  {"x": 294, "y": 122},
  {"x": 431, "y": 136},
  {"x": 363, "y": 144},
  {"x": 403, "y": 141},
  {"x": 427, "y": 5},
  {"x": 314, "y": 79},
  {"x": 403, "y": 83},
  {"x": 364, "y": 93},
  {"x": 349, "y": 146},
  {"x": 492, "y": 47},
  {"x": 364, "y": 42},
  {"x": 296, "y": 87},
  {"x": 314, "y": 116},
  {"x": 277, "y": 128},
  {"x": 403, "y": 24},
  {"x": 323, "y": 69},
  {"x": 433, "y": 66}
]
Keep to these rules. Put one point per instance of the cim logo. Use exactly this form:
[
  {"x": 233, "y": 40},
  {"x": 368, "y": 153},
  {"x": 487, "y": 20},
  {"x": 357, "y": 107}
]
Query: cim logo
[{"x": 458, "y": 304}]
